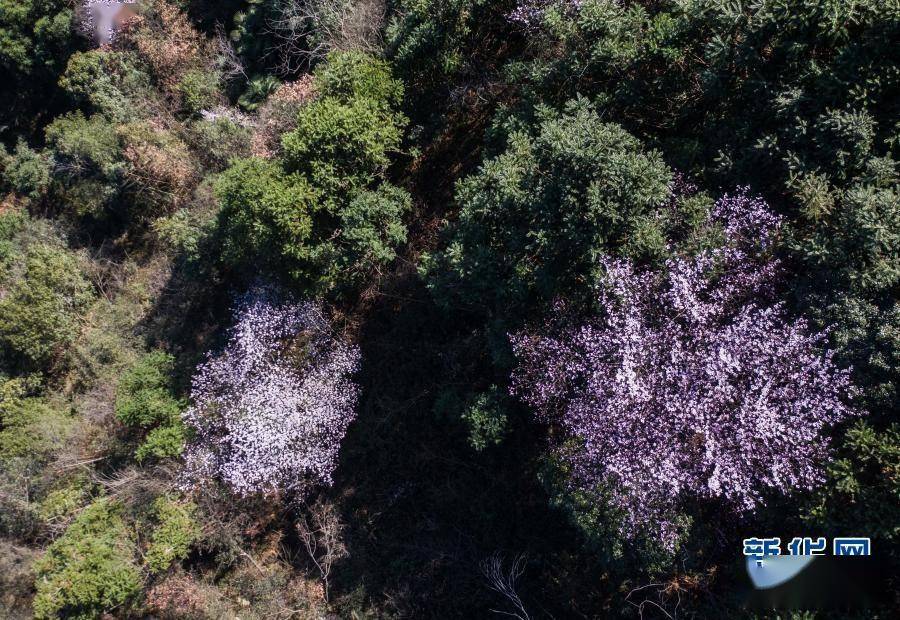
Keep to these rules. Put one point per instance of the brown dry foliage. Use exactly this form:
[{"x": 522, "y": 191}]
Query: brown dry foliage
[
  {"x": 16, "y": 579},
  {"x": 279, "y": 116},
  {"x": 164, "y": 37},
  {"x": 181, "y": 596},
  {"x": 159, "y": 162}
]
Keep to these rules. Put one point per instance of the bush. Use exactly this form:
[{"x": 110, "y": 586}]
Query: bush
[
  {"x": 199, "y": 90},
  {"x": 63, "y": 502},
  {"x": 12, "y": 222},
  {"x": 39, "y": 314},
  {"x": 431, "y": 41},
  {"x": 27, "y": 171},
  {"x": 109, "y": 81},
  {"x": 86, "y": 146},
  {"x": 165, "y": 39},
  {"x": 36, "y": 38},
  {"x": 90, "y": 569},
  {"x": 218, "y": 141},
  {"x": 371, "y": 228},
  {"x": 145, "y": 400},
  {"x": 30, "y": 429},
  {"x": 340, "y": 147},
  {"x": 174, "y": 533},
  {"x": 486, "y": 419},
  {"x": 354, "y": 75},
  {"x": 343, "y": 137}
]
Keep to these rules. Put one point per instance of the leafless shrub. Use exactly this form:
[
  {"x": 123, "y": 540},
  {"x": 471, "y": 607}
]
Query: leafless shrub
[
  {"x": 504, "y": 581},
  {"x": 320, "y": 530},
  {"x": 307, "y": 30},
  {"x": 230, "y": 65},
  {"x": 666, "y": 594}
]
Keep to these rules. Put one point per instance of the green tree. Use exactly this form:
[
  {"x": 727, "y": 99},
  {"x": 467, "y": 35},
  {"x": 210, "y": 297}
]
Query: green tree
[
  {"x": 36, "y": 36},
  {"x": 344, "y": 137},
  {"x": 109, "y": 82},
  {"x": 534, "y": 219},
  {"x": 371, "y": 228},
  {"x": 27, "y": 171},
  {"x": 266, "y": 217}
]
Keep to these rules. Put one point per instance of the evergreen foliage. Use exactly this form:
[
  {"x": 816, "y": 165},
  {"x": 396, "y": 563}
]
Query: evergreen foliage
[
  {"x": 90, "y": 569},
  {"x": 40, "y": 311},
  {"x": 145, "y": 400},
  {"x": 174, "y": 533},
  {"x": 534, "y": 219}
]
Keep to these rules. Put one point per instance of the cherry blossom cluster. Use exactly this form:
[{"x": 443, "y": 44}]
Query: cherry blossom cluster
[
  {"x": 269, "y": 411},
  {"x": 691, "y": 384},
  {"x": 530, "y": 14}
]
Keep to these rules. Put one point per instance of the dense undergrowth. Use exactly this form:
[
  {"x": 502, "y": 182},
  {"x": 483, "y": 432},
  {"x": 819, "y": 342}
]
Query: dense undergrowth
[{"x": 443, "y": 308}]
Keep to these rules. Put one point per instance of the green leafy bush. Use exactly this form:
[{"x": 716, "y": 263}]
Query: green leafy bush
[
  {"x": 30, "y": 429},
  {"x": 371, "y": 228},
  {"x": 324, "y": 215},
  {"x": 486, "y": 419},
  {"x": 90, "y": 569},
  {"x": 344, "y": 136},
  {"x": 63, "y": 502},
  {"x": 431, "y": 41},
  {"x": 175, "y": 531},
  {"x": 199, "y": 89},
  {"x": 862, "y": 488},
  {"x": 12, "y": 222},
  {"x": 27, "y": 171},
  {"x": 145, "y": 400},
  {"x": 354, "y": 75},
  {"x": 36, "y": 37},
  {"x": 217, "y": 142},
  {"x": 341, "y": 146},
  {"x": 109, "y": 81},
  {"x": 39, "y": 314},
  {"x": 86, "y": 145}
]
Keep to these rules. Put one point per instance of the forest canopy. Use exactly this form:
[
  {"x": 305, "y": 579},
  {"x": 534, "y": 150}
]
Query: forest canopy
[{"x": 445, "y": 308}]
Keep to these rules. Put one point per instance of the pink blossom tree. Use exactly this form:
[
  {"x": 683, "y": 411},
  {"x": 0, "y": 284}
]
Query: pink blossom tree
[
  {"x": 270, "y": 410},
  {"x": 690, "y": 383}
]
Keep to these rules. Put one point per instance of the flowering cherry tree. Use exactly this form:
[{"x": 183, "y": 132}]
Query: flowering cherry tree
[
  {"x": 270, "y": 410},
  {"x": 690, "y": 383}
]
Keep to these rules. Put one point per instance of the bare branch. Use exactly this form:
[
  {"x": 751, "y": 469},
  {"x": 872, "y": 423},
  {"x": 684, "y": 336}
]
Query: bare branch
[
  {"x": 307, "y": 30},
  {"x": 663, "y": 595},
  {"x": 230, "y": 64},
  {"x": 320, "y": 530},
  {"x": 504, "y": 582}
]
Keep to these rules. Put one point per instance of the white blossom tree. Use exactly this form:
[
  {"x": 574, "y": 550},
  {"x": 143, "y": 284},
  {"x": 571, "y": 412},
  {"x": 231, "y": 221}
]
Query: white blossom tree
[{"x": 269, "y": 411}]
